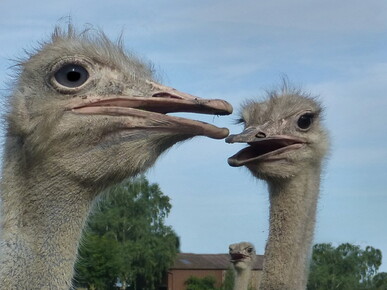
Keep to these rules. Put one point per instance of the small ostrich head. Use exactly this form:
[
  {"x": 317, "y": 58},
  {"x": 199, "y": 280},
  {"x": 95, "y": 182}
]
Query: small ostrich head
[
  {"x": 242, "y": 255},
  {"x": 284, "y": 135},
  {"x": 90, "y": 110}
]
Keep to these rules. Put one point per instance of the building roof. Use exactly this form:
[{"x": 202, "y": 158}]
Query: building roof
[{"x": 189, "y": 261}]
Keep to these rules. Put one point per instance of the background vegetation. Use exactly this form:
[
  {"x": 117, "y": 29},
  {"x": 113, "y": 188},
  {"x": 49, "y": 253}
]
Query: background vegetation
[
  {"x": 346, "y": 267},
  {"x": 127, "y": 242},
  {"x": 127, "y": 245}
]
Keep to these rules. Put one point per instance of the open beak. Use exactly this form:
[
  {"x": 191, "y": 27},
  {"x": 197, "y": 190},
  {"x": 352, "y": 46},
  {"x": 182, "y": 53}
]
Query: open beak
[
  {"x": 150, "y": 111},
  {"x": 261, "y": 149},
  {"x": 237, "y": 257}
]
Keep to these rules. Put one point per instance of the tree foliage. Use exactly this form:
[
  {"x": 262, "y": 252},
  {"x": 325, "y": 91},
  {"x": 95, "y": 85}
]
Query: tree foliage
[
  {"x": 228, "y": 283},
  {"x": 127, "y": 239},
  {"x": 195, "y": 283},
  {"x": 380, "y": 281},
  {"x": 345, "y": 267},
  {"x": 208, "y": 282}
]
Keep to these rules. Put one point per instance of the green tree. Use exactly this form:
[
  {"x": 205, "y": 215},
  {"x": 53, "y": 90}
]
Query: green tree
[
  {"x": 380, "y": 281},
  {"x": 127, "y": 239},
  {"x": 345, "y": 267},
  {"x": 195, "y": 283},
  {"x": 228, "y": 283}
]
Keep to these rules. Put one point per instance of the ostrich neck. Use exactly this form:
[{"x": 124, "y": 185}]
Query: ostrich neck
[
  {"x": 293, "y": 205},
  {"x": 41, "y": 224},
  {"x": 242, "y": 279}
]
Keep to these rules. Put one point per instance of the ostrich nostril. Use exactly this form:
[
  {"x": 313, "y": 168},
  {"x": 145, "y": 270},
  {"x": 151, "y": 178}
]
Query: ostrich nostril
[
  {"x": 260, "y": 135},
  {"x": 165, "y": 95}
]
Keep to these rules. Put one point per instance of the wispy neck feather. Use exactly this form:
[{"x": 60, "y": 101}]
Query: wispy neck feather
[
  {"x": 242, "y": 279},
  {"x": 293, "y": 205},
  {"x": 42, "y": 220}
]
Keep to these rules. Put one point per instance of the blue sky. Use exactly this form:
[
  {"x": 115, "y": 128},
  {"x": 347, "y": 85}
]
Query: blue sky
[{"x": 236, "y": 50}]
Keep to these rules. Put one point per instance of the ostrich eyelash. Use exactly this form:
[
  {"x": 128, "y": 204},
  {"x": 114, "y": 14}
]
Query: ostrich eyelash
[{"x": 239, "y": 121}]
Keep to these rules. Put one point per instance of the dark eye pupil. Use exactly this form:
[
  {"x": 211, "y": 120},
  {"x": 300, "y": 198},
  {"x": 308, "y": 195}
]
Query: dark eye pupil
[
  {"x": 73, "y": 76},
  {"x": 305, "y": 121}
]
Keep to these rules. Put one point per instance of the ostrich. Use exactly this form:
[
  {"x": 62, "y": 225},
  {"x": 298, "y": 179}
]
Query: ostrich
[
  {"x": 83, "y": 115},
  {"x": 287, "y": 146},
  {"x": 243, "y": 257}
]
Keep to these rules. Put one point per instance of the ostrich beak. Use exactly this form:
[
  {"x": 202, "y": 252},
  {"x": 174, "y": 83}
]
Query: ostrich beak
[
  {"x": 261, "y": 148},
  {"x": 150, "y": 111},
  {"x": 248, "y": 135},
  {"x": 172, "y": 100},
  {"x": 237, "y": 257}
]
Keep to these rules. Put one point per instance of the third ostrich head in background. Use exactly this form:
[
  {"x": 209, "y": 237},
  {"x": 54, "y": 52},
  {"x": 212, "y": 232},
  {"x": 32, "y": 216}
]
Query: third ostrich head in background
[
  {"x": 243, "y": 257},
  {"x": 287, "y": 144}
]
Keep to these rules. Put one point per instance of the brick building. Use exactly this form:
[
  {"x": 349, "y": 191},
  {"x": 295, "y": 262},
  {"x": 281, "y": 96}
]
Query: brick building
[{"x": 202, "y": 265}]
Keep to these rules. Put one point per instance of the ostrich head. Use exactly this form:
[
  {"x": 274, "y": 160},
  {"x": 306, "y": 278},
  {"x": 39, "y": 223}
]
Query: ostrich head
[
  {"x": 242, "y": 255},
  {"x": 284, "y": 135},
  {"x": 85, "y": 108}
]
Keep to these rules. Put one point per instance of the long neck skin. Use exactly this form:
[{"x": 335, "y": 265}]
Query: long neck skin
[
  {"x": 42, "y": 216},
  {"x": 242, "y": 279},
  {"x": 293, "y": 205}
]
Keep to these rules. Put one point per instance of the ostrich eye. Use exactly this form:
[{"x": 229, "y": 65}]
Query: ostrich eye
[
  {"x": 305, "y": 121},
  {"x": 250, "y": 250},
  {"x": 71, "y": 75}
]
